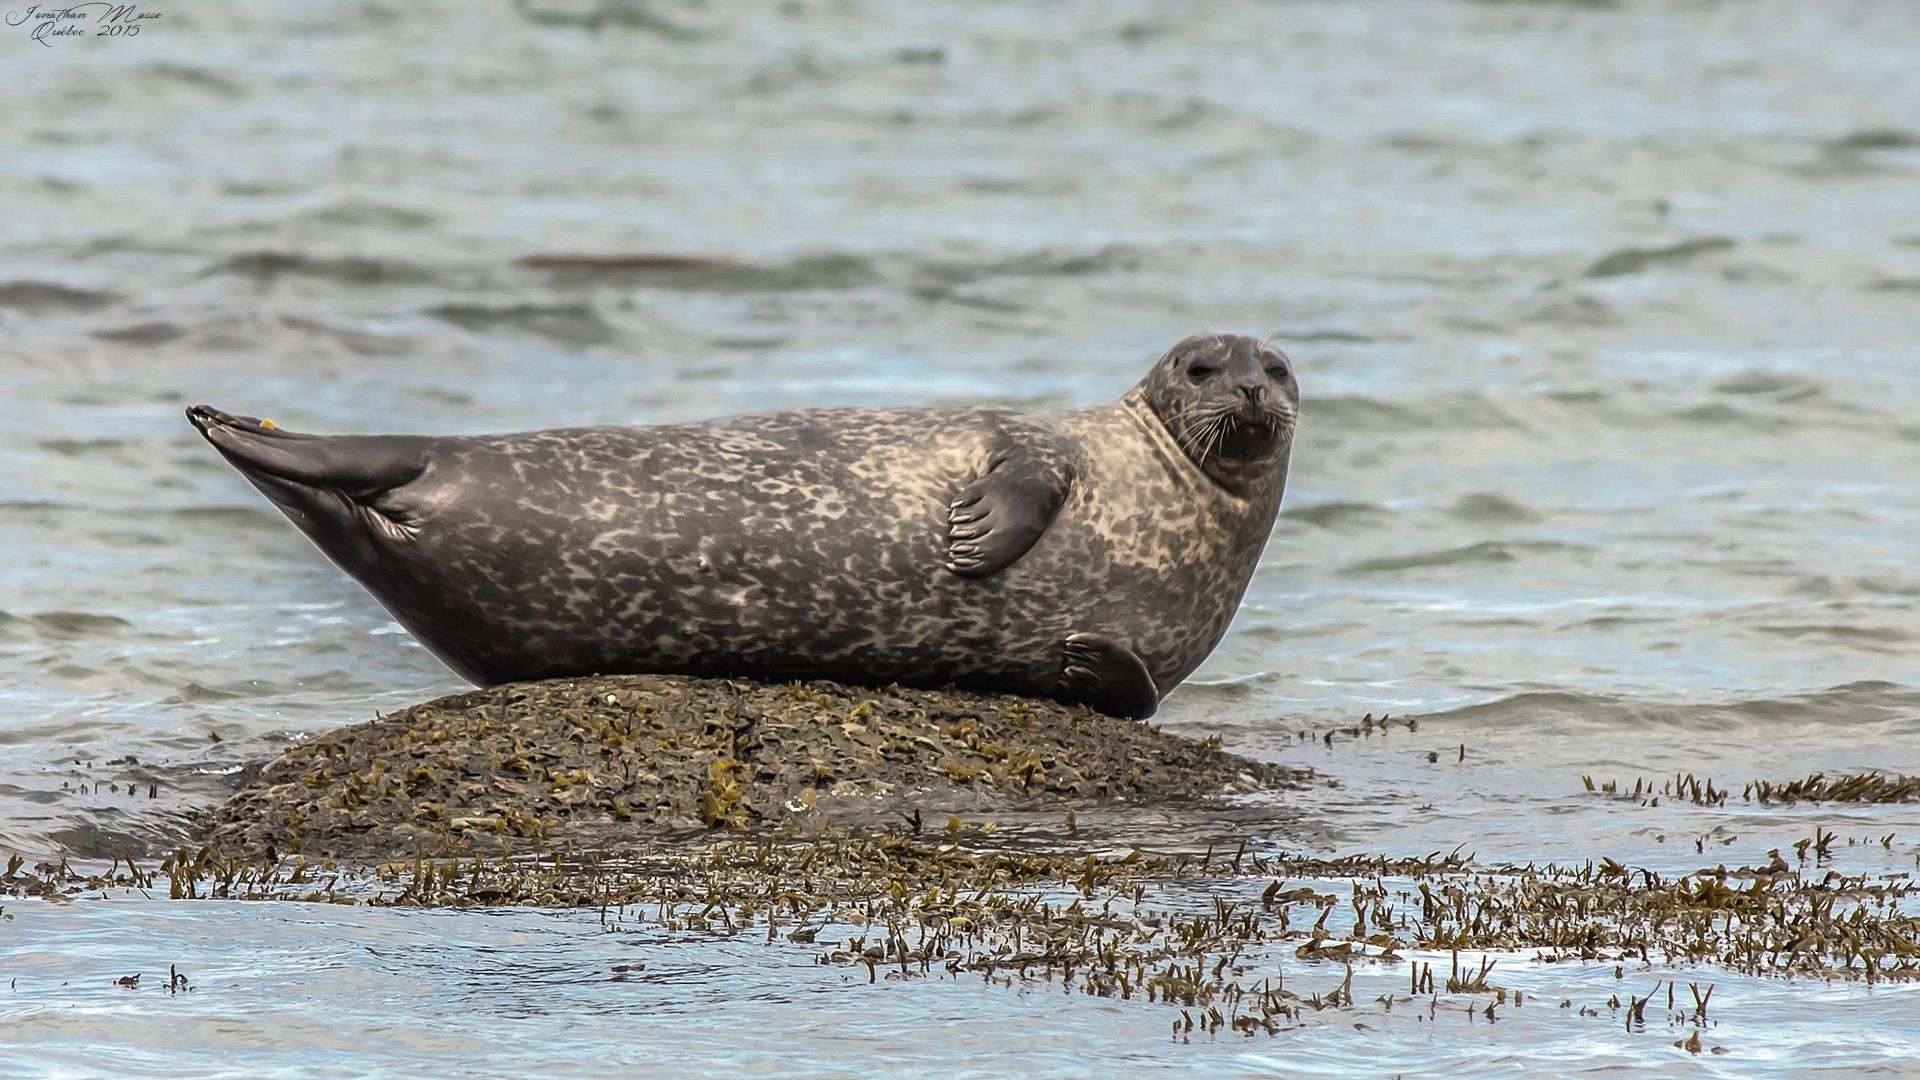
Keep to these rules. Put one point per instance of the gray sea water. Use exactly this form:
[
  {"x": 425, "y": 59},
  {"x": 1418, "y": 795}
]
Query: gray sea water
[{"x": 1607, "y": 317}]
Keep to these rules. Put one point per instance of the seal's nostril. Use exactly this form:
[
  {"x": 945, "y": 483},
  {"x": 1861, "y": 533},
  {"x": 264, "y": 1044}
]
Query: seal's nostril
[{"x": 1254, "y": 391}]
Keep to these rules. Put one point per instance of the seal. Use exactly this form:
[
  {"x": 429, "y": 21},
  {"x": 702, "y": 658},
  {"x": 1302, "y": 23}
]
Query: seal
[{"x": 1092, "y": 556}]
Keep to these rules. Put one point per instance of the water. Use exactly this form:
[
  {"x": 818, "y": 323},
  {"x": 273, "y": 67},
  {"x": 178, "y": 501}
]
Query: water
[{"x": 1605, "y": 316}]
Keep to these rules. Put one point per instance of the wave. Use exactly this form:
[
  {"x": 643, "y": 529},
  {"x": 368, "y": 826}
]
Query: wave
[
  {"x": 1634, "y": 260},
  {"x": 1870, "y": 139},
  {"x": 1334, "y": 515},
  {"x": 67, "y": 624},
  {"x": 707, "y": 273},
  {"x": 1484, "y": 506},
  {"x": 74, "y": 448},
  {"x": 1456, "y": 410},
  {"x": 1842, "y": 632},
  {"x": 229, "y": 515},
  {"x": 1720, "y": 413},
  {"x": 46, "y": 297},
  {"x": 359, "y": 342},
  {"x": 325, "y": 684},
  {"x": 1774, "y": 384},
  {"x": 1575, "y": 310},
  {"x": 354, "y": 212},
  {"x": 571, "y": 324},
  {"x": 189, "y": 75},
  {"x": 1044, "y": 263},
  {"x": 1860, "y": 153},
  {"x": 1895, "y": 285},
  {"x": 268, "y": 266},
  {"x": 597, "y": 15},
  {"x": 142, "y": 333},
  {"x": 1470, "y": 555},
  {"x": 1861, "y": 705},
  {"x": 825, "y": 271}
]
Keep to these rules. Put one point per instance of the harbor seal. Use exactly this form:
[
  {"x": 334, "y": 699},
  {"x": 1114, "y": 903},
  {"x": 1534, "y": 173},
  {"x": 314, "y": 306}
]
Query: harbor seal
[{"x": 1093, "y": 555}]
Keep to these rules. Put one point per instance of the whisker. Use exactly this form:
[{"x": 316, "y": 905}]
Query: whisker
[{"x": 1221, "y": 424}]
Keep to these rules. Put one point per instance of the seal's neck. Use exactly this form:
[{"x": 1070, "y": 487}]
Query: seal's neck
[{"x": 1255, "y": 488}]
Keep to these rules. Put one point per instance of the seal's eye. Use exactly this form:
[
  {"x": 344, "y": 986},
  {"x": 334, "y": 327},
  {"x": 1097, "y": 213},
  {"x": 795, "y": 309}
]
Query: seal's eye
[
  {"x": 1199, "y": 372},
  {"x": 1278, "y": 372}
]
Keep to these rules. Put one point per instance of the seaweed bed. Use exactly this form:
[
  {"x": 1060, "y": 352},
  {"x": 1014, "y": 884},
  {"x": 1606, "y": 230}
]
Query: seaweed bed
[
  {"x": 1205, "y": 934},
  {"x": 612, "y": 760},
  {"x": 799, "y": 812}
]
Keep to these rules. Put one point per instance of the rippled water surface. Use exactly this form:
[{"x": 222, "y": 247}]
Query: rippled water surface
[{"x": 1606, "y": 317}]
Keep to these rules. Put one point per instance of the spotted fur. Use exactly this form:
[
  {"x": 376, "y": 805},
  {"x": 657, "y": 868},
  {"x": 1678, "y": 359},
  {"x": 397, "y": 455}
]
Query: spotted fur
[{"x": 809, "y": 542}]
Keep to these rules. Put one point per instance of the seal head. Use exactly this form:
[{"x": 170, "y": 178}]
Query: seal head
[{"x": 1230, "y": 402}]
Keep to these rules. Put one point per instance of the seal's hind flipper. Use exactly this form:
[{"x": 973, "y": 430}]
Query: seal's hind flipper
[
  {"x": 1003, "y": 512},
  {"x": 357, "y": 466},
  {"x": 334, "y": 487},
  {"x": 1108, "y": 676}
]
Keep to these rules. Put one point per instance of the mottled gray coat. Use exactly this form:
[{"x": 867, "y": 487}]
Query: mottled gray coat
[{"x": 804, "y": 543}]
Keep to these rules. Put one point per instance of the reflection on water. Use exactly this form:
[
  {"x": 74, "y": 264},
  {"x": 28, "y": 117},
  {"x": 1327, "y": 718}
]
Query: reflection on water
[{"x": 1605, "y": 317}]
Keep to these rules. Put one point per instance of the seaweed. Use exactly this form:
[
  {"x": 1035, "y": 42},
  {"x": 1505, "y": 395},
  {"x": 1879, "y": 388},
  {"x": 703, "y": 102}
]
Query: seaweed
[
  {"x": 1869, "y": 787},
  {"x": 610, "y": 760}
]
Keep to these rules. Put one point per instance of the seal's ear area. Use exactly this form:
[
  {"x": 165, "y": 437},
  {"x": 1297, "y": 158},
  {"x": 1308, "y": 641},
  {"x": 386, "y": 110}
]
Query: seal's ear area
[
  {"x": 1108, "y": 676},
  {"x": 358, "y": 466},
  {"x": 1001, "y": 514}
]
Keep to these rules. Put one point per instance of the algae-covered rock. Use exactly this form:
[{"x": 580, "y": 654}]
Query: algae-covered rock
[{"x": 607, "y": 760}]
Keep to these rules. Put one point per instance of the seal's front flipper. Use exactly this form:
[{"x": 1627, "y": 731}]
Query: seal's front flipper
[
  {"x": 999, "y": 516},
  {"x": 1108, "y": 676}
]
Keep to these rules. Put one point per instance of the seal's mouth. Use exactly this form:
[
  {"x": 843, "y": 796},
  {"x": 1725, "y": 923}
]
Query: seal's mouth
[
  {"x": 1245, "y": 440},
  {"x": 1243, "y": 435},
  {"x": 1253, "y": 434}
]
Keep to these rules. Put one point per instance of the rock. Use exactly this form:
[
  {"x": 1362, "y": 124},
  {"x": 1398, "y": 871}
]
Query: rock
[{"x": 601, "y": 761}]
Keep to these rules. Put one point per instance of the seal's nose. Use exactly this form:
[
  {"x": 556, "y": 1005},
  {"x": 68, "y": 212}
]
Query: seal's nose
[{"x": 1255, "y": 392}]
